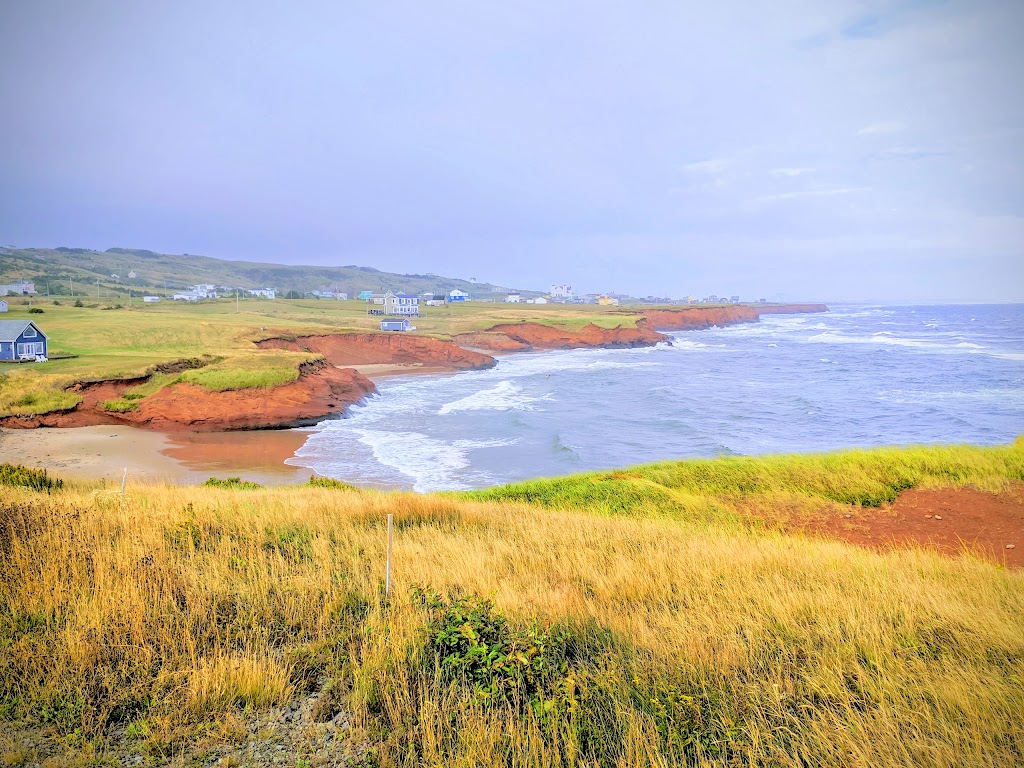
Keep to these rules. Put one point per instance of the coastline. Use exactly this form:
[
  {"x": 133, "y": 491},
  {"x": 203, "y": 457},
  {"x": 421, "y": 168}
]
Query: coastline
[{"x": 175, "y": 442}]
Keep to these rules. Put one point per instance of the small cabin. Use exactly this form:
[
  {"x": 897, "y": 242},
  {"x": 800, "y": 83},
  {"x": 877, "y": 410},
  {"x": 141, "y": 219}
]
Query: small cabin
[
  {"x": 151, "y": 299},
  {"x": 3, "y": 306},
  {"x": 396, "y": 325},
  {"x": 21, "y": 340}
]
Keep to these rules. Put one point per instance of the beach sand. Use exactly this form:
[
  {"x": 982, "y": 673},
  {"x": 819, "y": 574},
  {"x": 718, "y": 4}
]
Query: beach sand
[{"x": 185, "y": 458}]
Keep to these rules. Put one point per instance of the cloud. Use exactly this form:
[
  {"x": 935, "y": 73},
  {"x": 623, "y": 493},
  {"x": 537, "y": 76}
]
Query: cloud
[
  {"x": 892, "y": 126},
  {"x": 789, "y": 172}
]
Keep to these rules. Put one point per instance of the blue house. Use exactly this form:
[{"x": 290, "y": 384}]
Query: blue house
[
  {"x": 21, "y": 340},
  {"x": 395, "y": 325}
]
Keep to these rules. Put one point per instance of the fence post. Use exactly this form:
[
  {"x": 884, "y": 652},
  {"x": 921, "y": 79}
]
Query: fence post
[
  {"x": 387, "y": 567},
  {"x": 124, "y": 481}
]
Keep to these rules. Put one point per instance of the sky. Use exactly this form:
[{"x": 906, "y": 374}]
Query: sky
[{"x": 801, "y": 149}]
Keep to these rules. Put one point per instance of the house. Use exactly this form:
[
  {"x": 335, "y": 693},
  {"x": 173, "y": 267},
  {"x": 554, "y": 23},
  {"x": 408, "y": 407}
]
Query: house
[
  {"x": 734, "y": 299},
  {"x": 608, "y": 301},
  {"x": 20, "y": 288},
  {"x": 204, "y": 290},
  {"x": 263, "y": 293},
  {"x": 3, "y": 306},
  {"x": 21, "y": 340},
  {"x": 365, "y": 295},
  {"x": 540, "y": 300},
  {"x": 401, "y": 304},
  {"x": 513, "y": 298},
  {"x": 151, "y": 299},
  {"x": 396, "y": 325},
  {"x": 378, "y": 298},
  {"x": 435, "y": 302},
  {"x": 457, "y": 295},
  {"x": 186, "y": 296},
  {"x": 561, "y": 292}
]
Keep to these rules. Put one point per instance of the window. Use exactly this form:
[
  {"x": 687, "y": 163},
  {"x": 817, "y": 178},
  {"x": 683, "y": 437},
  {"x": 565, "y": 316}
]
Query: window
[{"x": 30, "y": 332}]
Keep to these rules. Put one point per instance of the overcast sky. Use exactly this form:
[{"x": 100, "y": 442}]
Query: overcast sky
[{"x": 813, "y": 149}]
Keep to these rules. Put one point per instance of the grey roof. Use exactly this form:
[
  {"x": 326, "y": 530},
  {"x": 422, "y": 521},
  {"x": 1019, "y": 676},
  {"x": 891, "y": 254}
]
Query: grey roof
[{"x": 10, "y": 330}]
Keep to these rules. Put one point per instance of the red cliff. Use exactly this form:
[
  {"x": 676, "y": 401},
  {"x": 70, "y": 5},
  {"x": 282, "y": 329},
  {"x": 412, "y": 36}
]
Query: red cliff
[{"x": 372, "y": 348}]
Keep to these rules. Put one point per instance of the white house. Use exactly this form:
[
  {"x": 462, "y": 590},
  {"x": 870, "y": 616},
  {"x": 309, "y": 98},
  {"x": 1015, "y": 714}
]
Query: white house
[
  {"x": 457, "y": 295},
  {"x": 435, "y": 303},
  {"x": 401, "y": 304},
  {"x": 3, "y": 306},
  {"x": 563, "y": 292},
  {"x": 513, "y": 298},
  {"x": 204, "y": 290},
  {"x": 186, "y": 296},
  {"x": 151, "y": 299},
  {"x": 21, "y": 288},
  {"x": 540, "y": 300}
]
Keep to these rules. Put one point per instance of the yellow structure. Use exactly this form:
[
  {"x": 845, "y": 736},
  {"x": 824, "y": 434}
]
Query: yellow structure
[{"x": 608, "y": 301}]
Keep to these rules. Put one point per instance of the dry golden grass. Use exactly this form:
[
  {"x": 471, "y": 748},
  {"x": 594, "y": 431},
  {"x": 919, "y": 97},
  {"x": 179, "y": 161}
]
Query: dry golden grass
[{"x": 696, "y": 641}]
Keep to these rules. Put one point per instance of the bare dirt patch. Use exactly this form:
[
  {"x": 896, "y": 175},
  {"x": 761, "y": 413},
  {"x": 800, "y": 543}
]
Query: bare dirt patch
[{"x": 950, "y": 520}]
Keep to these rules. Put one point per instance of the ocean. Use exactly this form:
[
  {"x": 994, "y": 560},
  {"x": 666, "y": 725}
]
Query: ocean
[{"x": 854, "y": 377}]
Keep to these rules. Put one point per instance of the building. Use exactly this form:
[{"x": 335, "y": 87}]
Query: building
[
  {"x": 22, "y": 340},
  {"x": 263, "y": 293},
  {"x": 401, "y": 304},
  {"x": 20, "y": 288},
  {"x": 396, "y": 325},
  {"x": 607, "y": 301},
  {"x": 3, "y": 306},
  {"x": 435, "y": 302},
  {"x": 186, "y": 296},
  {"x": 734, "y": 299},
  {"x": 540, "y": 300},
  {"x": 458, "y": 295},
  {"x": 204, "y": 290},
  {"x": 561, "y": 292},
  {"x": 365, "y": 295},
  {"x": 513, "y": 298},
  {"x": 151, "y": 299},
  {"x": 378, "y": 298}
]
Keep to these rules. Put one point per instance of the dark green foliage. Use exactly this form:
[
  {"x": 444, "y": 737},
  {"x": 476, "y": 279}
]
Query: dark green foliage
[
  {"x": 330, "y": 482},
  {"x": 36, "y": 479},
  {"x": 78, "y": 303},
  {"x": 236, "y": 483},
  {"x": 35, "y": 311},
  {"x": 475, "y": 645}
]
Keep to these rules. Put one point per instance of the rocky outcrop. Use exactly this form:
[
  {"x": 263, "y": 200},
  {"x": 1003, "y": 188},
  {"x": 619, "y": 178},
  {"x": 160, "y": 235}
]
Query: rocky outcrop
[
  {"x": 696, "y": 318},
  {"x": 319, "y": 391},
  {"x": 537, "y": 336},
  {"x": 343, "y": 349},
  {"x": 492, "y": 342}
]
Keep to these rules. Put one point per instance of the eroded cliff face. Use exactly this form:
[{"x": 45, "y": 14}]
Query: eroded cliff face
[
  {"x": 319, "y": 391},
  {"x": 537, "y": 336},
  {"x": 695, "y": 318},
  {"x": 342, "y": 349}
]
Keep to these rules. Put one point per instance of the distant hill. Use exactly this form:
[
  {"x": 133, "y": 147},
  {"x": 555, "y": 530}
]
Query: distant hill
[{"x": 162, "y": 273}]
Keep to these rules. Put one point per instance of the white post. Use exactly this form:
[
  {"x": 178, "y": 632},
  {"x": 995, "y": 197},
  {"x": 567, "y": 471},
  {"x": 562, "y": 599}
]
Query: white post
[
  {"x": 124, "y": 481},
  {"x": 387, "y": 567}
]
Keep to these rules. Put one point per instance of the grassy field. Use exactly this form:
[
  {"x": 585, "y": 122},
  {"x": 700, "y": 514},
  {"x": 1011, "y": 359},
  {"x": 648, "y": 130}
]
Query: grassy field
[
  {"x": 543, "y": 624},
  {"x": 127, "y": 342}
]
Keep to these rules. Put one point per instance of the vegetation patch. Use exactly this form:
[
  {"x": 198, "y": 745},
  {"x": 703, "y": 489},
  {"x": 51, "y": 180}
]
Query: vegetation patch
[
  {"x": 233, "y": 483},
  {"x": 330, "y": 482},
  {"x": 26, "y": 477},
  {"x": 124, "y": 405}
]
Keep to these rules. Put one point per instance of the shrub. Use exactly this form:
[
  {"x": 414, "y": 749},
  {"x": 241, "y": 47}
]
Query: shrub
[
  {"x": 78, "y": 303},
  {"x": 35, "y": 311},
  {"x": 36, "y": 479},
  {"x": 236, "y": 483},
  {"x": 330, "y": 482}
]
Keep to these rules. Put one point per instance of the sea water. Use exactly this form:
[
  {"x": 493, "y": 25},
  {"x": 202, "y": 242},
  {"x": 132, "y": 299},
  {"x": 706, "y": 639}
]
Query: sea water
[{"x": 854, "y": 377}]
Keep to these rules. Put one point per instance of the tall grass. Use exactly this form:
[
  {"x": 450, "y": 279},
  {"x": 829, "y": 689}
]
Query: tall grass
[{"x": 645, "y": 640}]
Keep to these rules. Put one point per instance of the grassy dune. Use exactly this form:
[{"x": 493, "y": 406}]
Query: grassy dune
[
  {"x": 127, "y": 342},
  {"x": 525, "y": 627}
]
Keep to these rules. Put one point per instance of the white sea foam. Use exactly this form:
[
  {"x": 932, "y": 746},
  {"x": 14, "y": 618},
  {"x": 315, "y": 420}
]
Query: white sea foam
[{"x": 505, "y": 396}]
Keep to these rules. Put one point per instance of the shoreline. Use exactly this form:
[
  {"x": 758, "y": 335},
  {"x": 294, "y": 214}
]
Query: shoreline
[{"x": 190, "y": 456}]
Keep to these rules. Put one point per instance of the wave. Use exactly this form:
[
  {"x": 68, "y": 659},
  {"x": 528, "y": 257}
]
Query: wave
[
  {"x": 505, "y": 396},
  {"x": 887, "y": 338}
]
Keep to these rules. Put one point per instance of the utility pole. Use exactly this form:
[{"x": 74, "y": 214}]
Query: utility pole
[
  {"x": 72, "y": 281},
  {"x": 237, "y": 307}
]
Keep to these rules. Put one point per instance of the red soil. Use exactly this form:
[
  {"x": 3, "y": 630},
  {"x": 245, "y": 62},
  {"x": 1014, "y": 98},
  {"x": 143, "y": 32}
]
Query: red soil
[
  {"x": 950, "y": 520},
  {"x": 537, "y": 336},
  {"x": 319, "y": 391},
  {"x": 374, "y": 348},
  {"x": 695, "y": 318}
]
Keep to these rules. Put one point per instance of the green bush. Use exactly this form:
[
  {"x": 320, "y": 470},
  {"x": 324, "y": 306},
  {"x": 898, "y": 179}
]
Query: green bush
[
  {"x": 119, "y": 406},
  {"x": 36, "y": 479},
  {"x": 35, "y": 311},
  {"x": 236, "y": 483},
  {"x": 78, "y": 303},
  {"x": 330, "y": 482}
]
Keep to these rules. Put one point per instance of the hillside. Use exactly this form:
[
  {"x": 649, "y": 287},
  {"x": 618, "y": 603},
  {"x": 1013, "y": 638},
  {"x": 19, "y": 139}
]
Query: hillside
[
  {"x": 661, "y": 616},
  {"x": 91, "y": 272}
]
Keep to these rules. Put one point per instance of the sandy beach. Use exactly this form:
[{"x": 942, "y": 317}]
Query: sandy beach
[{"x": 104, "y": 452}]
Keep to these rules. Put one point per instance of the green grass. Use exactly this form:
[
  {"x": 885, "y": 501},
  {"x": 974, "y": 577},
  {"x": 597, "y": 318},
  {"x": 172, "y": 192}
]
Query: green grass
[{"x": 866, "y": 478}]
